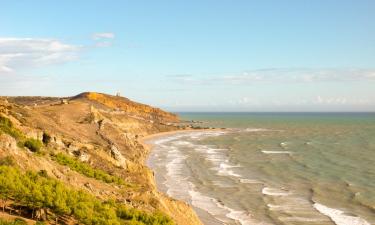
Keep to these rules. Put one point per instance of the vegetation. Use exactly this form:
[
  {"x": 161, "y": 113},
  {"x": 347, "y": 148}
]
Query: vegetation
[
  {"x": 7, "y": 161},
  {"x": 7, "y": 127},
  {"x": 33, "y": 144},
  {"x": 17, "y": 221},
  {"x": 86, "y": 169},
  {"x": 39, "y": 193}
]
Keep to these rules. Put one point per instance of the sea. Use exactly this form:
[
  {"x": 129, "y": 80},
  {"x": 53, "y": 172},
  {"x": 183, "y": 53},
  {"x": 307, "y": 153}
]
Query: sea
[{"x": 272, "y": 168}]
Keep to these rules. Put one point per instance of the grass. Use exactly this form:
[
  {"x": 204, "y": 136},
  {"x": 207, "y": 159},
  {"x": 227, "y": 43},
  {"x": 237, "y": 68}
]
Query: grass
[{"x": 87, "y": 170}]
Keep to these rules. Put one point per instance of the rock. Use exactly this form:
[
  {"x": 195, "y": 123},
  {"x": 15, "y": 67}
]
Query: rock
[
  {"x": 84, "y": 157},
  {"x": 31, "y": 133},
  {"x": 57, "y": 141},
  {"x": 8, "y": 142},
  {"x": 116, "y": 154}
]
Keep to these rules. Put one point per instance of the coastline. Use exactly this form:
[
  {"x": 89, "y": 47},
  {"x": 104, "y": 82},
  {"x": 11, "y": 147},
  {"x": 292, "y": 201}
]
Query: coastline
[
  {"x": 148, "y": 146},
  {"x": 142, "y": 140},
  {"x": 188, "y": 210},
  {"x": 182, "y": 212}
]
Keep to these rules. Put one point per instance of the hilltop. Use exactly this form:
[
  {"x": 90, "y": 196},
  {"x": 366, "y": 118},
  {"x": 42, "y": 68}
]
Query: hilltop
[{"x": 88, "y": 143}]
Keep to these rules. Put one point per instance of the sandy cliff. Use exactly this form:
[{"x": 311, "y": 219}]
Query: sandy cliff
[{"x": 102, "y": 131}]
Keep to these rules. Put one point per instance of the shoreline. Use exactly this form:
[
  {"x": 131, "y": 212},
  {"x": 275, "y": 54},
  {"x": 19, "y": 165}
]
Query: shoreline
[
  {"x": 169, "y": 133},
  {"x": 148, "y": 146}
]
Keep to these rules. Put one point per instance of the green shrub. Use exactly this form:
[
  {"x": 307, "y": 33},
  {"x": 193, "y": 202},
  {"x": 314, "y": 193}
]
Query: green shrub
[
  {"x": 5, "y": 222},
  {"x": 33, "y": 144},
  {"x": 136, "y": 215},
  {"x": 86, "y": 169},
  {"x": 17, "y": 221},
  {"x": 7, "y": 127},
  {"x": 38, "y": 193}
]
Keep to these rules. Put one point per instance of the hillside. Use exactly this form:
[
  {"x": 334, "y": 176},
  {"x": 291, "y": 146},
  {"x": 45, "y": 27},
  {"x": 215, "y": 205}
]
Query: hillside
[{"x": 89, "y": 145}]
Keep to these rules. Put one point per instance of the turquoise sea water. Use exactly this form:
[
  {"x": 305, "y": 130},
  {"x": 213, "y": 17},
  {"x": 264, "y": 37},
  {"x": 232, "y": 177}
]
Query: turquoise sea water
[{"x": 273, "y": 168}]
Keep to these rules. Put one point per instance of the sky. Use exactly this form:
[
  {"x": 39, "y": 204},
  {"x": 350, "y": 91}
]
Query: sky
[{"x": 292, "y": 55}]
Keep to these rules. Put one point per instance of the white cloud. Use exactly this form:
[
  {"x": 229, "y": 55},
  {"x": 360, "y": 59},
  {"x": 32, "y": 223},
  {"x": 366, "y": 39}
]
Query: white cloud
[
  {"x": 341, "y": 100},
  {"x": 103, "y": 39},
  {"x": 107, "y": 35},
  {"x": 19, "y": 53},
  {"x": 282, "y": 76}
]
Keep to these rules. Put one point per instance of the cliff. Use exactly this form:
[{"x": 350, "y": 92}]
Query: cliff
[{"x": 88, "y": 142}]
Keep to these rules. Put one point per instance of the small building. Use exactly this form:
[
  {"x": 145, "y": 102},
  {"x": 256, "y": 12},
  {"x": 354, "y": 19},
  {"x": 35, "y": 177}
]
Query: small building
[{"x": 64, "y": 101}]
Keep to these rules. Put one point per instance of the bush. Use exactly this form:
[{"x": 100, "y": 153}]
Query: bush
[
  {"x": 6, "y": 126},
  {"x": 39, "y": 193},
  {"x": 86, "y": 169},
  {"x": 17, "y": 221},
  {"x": 33, "y": 144}
]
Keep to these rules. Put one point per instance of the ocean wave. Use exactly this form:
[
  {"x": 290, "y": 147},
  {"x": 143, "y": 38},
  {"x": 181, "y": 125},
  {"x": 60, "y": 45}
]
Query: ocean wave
[
  {"x": 301, "y": 219},
  {"x": 274, "y": 192},
  {"x": 284, "y": 144},
  {"x": 256, "y": 129},
  {"x": 175, "y": 177},
  {"x": 249, "y": 181},
  {"x": 276, "y": 152},
  {"x": 220, "y": 211},
  {"x": 340, "y": 217},
  {"x": 224, "y": 169}
]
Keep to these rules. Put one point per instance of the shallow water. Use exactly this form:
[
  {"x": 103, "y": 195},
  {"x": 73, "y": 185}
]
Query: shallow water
[{"x": 286, "y": 168}]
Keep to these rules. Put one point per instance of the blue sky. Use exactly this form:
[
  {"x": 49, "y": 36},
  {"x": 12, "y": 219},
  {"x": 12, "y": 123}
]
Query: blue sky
[{"x": 295, "y": 55}]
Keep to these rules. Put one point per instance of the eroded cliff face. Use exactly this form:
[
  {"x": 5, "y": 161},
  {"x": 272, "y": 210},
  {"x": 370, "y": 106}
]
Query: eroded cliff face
[{"x": 101, "y": 130}]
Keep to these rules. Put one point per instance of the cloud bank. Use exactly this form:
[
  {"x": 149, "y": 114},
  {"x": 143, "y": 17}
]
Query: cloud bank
[
  {"x": 280, "y": 76},
  {"x": 22, "y": 53}
]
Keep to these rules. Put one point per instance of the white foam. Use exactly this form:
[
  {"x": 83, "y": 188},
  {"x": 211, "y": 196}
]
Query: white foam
[
  {"x": 276, "y": 152},
  {"x": 283, "y": 144},
  {"x": 301, "y": 219},
  {"x": 255, "y": 129},
  {"x": 210, "y": 205},
  {"x": 339, "y": 217},
  {"x": 175, "y": 179},
  {"x": 179, "y": 187},
  {"x": 182, "y": 143},
  {"x": 250, "y": 181},
  {"x": 224, "y": 170},
  {"x": 274, "y": 192},
  {"x": 243, "y": 217},
  {"x": 220, "y": 211}
]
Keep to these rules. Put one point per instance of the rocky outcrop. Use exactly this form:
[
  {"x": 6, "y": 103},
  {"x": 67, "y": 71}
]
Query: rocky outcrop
[
  {"x": 8, "y": 142},
  {"x": 116, "y": 154},
  {"x": 135, "y": 109}
]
